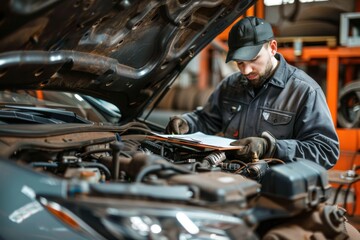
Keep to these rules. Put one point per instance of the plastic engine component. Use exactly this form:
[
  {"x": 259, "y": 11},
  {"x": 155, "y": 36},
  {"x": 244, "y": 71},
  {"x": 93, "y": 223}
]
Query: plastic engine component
[
  {"x": 219, "y": 187},
  {"x": 303, "y": 183}
]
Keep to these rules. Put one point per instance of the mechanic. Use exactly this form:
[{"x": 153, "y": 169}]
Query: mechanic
[{"x": 273, "y": 108}]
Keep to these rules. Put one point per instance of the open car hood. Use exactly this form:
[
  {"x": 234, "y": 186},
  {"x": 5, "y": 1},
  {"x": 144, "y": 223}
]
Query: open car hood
[{"x": 125, "y": 52}]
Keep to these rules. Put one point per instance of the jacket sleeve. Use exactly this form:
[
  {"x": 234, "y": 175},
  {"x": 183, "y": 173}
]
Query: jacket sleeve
[
  {"x": 315, "y": 136},
  {"x": 207, "y": 119}
]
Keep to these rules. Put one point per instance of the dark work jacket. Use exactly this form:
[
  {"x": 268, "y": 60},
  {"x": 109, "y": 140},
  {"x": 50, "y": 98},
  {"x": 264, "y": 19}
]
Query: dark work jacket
[{"x": 290, "y": 105}]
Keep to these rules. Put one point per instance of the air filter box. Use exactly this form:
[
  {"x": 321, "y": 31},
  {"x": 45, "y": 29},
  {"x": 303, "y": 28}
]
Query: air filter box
[{"x": 300, "y": 184}]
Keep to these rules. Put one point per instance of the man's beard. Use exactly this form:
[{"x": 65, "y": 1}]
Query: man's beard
[{"x": 263, "y": 77}]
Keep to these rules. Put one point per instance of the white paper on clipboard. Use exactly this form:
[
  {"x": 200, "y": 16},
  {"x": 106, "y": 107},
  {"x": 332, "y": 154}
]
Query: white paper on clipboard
[{"x": 199, "y": 139}]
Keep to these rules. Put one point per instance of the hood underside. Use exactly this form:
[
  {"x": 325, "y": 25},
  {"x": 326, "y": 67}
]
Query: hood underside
[{"x": 125, "y": 52}]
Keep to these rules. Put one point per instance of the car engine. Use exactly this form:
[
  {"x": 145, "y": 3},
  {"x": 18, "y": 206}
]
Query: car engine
[{"x": 271, "y": 199}]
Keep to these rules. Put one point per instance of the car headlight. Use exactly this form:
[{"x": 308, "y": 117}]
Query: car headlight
[
  {"x": 172, "y": 223},
  {"x": 140, "y": 220}
]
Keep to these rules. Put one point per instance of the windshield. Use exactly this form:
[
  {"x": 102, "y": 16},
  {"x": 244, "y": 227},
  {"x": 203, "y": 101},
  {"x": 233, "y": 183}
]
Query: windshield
[{"x": 82, "y": 106}]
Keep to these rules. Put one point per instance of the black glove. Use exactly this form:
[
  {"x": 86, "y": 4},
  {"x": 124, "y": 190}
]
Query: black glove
[
  {"x": 256, "y": 147},
  {"x": 177, "y": 125}
]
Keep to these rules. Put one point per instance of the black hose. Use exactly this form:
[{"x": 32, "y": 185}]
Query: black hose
[
  {"x": 152, "y": 168},
  {"x": 195, "y": 166},
  {"x": 147, "y": 170},
  {"x": 347, "y": 195},
  {"x": 116, "y": 148},
  {"x": 102, "y": 167},
  {"x": 337, "y": 193}
]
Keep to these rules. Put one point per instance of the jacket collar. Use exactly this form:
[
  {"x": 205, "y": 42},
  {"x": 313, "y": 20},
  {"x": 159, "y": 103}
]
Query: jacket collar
[{"x": 281, "y": 73}]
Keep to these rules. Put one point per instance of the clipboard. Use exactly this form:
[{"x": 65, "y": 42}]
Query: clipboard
[{"x": 199, "y": 140}]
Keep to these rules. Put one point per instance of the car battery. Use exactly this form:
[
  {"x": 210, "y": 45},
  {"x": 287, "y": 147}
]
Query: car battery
[{"x": 300, "y": 184}]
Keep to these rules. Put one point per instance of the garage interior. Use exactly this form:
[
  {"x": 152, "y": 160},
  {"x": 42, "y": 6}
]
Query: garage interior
[{"x": 320, "y": 37}]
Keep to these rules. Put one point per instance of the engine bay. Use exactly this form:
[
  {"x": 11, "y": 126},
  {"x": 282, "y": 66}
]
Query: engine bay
[
  {"x": 100, "y": 156},
  {"x": 101, "y": 166},
  {"x": 128, "y": 155}
]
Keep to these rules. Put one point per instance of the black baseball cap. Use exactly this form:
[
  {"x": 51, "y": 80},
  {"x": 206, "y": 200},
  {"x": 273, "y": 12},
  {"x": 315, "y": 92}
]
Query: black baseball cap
[{"x": 246, "y": 38}]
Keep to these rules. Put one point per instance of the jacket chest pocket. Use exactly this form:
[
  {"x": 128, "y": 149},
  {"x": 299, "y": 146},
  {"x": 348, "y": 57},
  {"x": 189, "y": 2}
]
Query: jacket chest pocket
[{"x": 280, "y": 124}]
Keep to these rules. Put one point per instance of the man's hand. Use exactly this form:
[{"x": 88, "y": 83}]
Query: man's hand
[
  {"x": 177, "y": 125},
  {"x": 256, "y": 147}
]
